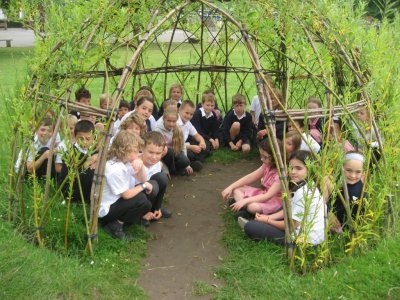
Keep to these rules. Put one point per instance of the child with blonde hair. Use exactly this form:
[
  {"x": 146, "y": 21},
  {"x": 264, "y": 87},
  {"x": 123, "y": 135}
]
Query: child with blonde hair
[
  {"x": 124, "y": 199},
  {"x": 175, "y": 159},
  {"x": 176, "y": 93}
]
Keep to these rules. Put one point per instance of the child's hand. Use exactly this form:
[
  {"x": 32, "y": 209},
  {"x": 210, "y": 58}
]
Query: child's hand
[
  {"x": 233, "y": 147},
  {"x": 262, "y": 218},
  {"x": 196, "y": 149},
  {"x": 137, "y": 165},
  {"x": 202, "y": 145},
  {"x": 226, "y": 193},
  {"x": 239, "y": 144},
  {"x": 157, "y": 214},
  {"x": 238, "y": 205},
  {"x": 93, "y": 161},
  {"x": 262, "y": 133},
  {"x": 215, "y": 144},
  {"x": 189, "y": 170},
  {"x": 149, "y": 187},
  {"x": 46, "y": 154}
]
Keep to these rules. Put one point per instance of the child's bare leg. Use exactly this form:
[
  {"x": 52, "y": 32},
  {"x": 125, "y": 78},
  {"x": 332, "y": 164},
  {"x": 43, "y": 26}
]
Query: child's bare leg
[
  {"x": 254, "y": 208},
  {"x": 246, "y": 148},
  {"x": 238, "y": 194},
  {"x": 234, "y": 131}
]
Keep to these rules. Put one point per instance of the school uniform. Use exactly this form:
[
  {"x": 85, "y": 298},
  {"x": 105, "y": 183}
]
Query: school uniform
[
  {"x": 308, "y": 143},
  {"x": 38, "y": 150},
  {"x": 85, "y": 175},
  {"x": 159, "y": 181},
  {"x": 206, "y": 125},
  {"x": 119, "y": 179},
  {"x": 176, "y": 162},
  {"x": 279, "y": 127},
  {"x": 189, "y": 131},
  {"x": 246, "y": 124},
  {"x": 355, "y": 192}
]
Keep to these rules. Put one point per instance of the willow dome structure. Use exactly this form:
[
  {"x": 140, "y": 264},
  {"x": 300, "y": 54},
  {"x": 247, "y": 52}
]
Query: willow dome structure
[{"x": 199, "y": 45}]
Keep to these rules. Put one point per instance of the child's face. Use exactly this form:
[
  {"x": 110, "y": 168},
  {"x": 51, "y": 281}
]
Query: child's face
[
  {"x": 362, "y": 115},
  {"x": 104, "y": 104},
  {"x": 264, "y": 156},
  {"x": 85, "y": 101},
  {"x": 151, "y": 154},
  {"x": 145, "y": 109},
  {"x": 291, "y": 127},
  {"x": 133, "y": 155},
  {"x": 289, "y": 145},
  {"x": 44, "y": 133},
  {"x": 186, "y": 113},
  {"x": 208, "y": 107},
  {"x": 134, "y": 128},
  {"x": 122, "y": 111},
  {"x": 312, "y": 105},
  {"x": 176, "y": 94},
  {"x": 353, "y": 170},
  {"x": 297, "y": 170},
  {"x": 71, "y": 129},
  {"x": 239, "y": 108},
  {"x": 84, "y": 139},
  {"x": 170, "y": 121},
  {"x": 274, "y": 102}
]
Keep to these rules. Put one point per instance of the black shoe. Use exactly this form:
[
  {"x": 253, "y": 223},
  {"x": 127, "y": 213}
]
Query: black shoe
[
  {"x": 115, "y": 229},
  {"x": 231, "y": 201},
  {"x": 196, "y": 165},
  {"x": 144, "y": 223},
  {"x": 166, "y": 213}
]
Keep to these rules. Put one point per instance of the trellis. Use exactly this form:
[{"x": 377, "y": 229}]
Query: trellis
[{"x": 213, "y": 37}]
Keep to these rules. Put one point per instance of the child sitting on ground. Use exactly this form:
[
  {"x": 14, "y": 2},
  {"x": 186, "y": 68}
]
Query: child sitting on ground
[
  {"x": 36, "y": 161},
  {"x": 196, "y": 147},
  {"x": 82, "y": 156},
  {"x": 292, "y": 142},
  {"x": 237, "y": 125},
  {"x": 82, "y": 96},
  {"x": 124, "y": 202},
  {"x": 176, "y": 92},
  {"x": 175, "y": 158},
  {"x": 353, "y": 171},
  {"x": 308, "y": 209},
  {"x": 250, "y": 200},
  {"x": 262, "y": 131},
  {"x": 205, "y": 121},
  {"x": 307, "y": 141},
  {"x": 153, "y": 149}
]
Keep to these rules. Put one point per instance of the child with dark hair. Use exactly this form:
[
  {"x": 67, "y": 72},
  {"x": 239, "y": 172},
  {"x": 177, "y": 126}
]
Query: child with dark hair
[
  {"x": 206, "y": 122},
  {"x": 123, "y": 111},
  {"x": 237, "y": 126},
  {"x": 82, "y": 156},
  {"x": 308, "y": 209},
  {"x": 36, "y": 161},
  {"x": 250, "y": 200},
  {"x": 196, "y": 148},
  {"x": 336, "y": 131},
  {"x": 83, "y": 96}
]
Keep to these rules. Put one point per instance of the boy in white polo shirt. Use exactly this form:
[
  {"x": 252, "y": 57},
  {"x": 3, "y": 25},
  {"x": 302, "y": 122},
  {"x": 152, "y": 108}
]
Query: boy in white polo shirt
[{"x": 197, "y": 150}]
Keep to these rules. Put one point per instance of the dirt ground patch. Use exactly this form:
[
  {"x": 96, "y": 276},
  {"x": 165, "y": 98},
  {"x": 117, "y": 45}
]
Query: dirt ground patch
[{"x": 186, "y": 248}]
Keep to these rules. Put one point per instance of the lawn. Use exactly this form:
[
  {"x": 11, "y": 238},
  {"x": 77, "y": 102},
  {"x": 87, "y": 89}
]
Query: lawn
[{"x": 250, "y": 270}]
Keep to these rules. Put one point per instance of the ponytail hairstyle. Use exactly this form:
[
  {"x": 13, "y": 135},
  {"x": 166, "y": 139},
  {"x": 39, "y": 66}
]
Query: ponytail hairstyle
[{"x": 177, "y": 135}]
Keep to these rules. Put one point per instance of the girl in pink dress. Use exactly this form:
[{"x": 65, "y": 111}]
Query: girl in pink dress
[{"x": 254, "y": 200}]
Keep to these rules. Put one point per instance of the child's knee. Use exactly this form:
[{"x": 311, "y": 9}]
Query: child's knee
[
  {"x": 235, "y": 127},
  {"x": 254, "y": 208},
  {"x": 246, "y": 148}
]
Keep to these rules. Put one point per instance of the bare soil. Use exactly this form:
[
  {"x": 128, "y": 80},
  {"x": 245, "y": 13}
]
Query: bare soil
[{"x": 186, "y": 248}]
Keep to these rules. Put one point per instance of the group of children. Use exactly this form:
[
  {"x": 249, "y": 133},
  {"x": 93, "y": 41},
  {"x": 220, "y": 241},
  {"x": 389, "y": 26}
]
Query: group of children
[
  {"x": 150, "y": 144},
  {"x": 259, "y": 211}
]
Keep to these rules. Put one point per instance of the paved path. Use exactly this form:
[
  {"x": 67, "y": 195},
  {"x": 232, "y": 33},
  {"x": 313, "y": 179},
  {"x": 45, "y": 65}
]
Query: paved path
[{"x": 20, "y": 37}]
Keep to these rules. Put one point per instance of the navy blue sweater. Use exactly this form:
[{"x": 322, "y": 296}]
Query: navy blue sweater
[
  {"x": 207, "y": 128},
  {"x": 246, "y": 125}
]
